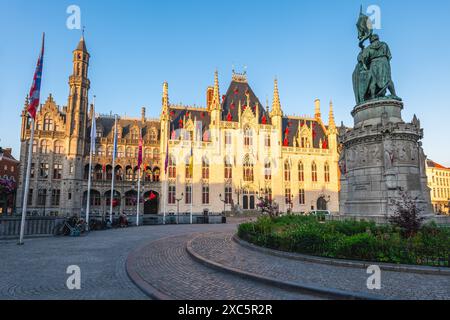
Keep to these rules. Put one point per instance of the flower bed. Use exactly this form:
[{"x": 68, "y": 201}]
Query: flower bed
[{"x": 356, "y": 240}]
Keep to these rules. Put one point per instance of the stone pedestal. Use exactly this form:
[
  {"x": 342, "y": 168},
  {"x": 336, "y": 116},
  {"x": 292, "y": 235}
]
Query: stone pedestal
[{"x": 382, "y": 156}]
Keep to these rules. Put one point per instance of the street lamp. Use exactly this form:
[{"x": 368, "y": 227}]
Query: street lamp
[
  {"x": 178, "y": 206},
  {"x": 224, "y": 203}
]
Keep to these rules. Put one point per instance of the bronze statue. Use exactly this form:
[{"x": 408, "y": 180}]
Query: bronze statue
[{"x": 372, "y": 76}]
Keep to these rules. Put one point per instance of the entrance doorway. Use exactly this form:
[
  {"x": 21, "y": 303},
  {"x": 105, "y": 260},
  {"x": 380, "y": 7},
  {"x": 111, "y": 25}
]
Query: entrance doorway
[
  {"x": 151, "y": 202},
  {"x": 322, "y": 204},
  {"x": 248, "y": 200}
]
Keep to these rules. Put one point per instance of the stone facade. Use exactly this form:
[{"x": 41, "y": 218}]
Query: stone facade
[
  {"x": 439, "y": 183},
  {"x": 240, "y": 150},
  {"x": 382, "y": 156},
  {"x": 9, "y": 173}
]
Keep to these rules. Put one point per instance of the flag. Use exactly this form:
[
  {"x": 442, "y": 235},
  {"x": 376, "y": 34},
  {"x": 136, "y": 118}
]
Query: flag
[
  {"x": 140, "y": 150},
  {"x": 115, "y": 139},
  {"x": 35, "y": 90},
  {"x": 93, "y": 133},
  {"x": 166, "y": 162},
  {"x": 104, "y": 168},
  {"x": 152, "y": 196}
]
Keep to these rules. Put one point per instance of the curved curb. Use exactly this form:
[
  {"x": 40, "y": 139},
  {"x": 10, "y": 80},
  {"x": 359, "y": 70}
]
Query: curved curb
[
  {"x": 138, "y": 281},
  {"x": 344, "y": 263},
  {"x": 287, "y": 285}
]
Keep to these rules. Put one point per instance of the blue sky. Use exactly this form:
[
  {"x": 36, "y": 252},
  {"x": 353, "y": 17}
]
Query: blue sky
[{"x": 310, "y": 46}]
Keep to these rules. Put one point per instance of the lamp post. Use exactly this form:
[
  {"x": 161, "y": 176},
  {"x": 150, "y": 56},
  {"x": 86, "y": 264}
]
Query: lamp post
[
  {"x": 178, "y": 206},
  {"x": 224, "y": 203}
]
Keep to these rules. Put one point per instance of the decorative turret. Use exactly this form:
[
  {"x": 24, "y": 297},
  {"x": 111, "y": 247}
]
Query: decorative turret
[
  {"x": 331, "y": 122},
  {"x": 165, "y": 102},
  {"x": 25, "y": 122},
  {"x": 276, "y": 105},
  {"x": 317, "y": 113},
  {"x": 143, "y": 115},
  {"x": 215, "y": 103}
]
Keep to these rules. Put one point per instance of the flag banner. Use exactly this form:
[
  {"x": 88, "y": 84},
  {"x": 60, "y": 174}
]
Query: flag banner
[
  {"x": 35, "y": 90},
  {"x": 140, "y": 151},
  {"x": 93, "y": 133},
  {"x": 115, "y": 139}
]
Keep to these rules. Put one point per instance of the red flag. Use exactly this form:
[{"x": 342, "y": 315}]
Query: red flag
[
  {"x": 264, "y": 119},
  {"x": 152, "y": 196},
  {"x": 325, "y": 144},
  {"x": 35, "y": 90},
  {"x": 229, "y": 117},
  {"x": 104, "y": 168}
]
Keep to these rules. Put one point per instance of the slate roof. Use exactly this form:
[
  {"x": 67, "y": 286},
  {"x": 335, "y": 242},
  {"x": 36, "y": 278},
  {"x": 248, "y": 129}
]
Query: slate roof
[
  {"x": 294, "y": 124},
  {"x": 107, "y": 125},
  {"x": 237, "y": 92}
]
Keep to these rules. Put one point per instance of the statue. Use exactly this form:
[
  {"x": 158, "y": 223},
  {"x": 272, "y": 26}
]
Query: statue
[
  {"x": 372, "y": 75},
  {"x": 388, "y": 155}
]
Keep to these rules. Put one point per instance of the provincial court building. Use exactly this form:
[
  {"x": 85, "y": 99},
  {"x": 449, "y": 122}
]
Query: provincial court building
[{"x": 241, "y": 150}]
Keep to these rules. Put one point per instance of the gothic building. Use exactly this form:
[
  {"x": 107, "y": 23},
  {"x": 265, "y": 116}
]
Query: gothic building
[{"x": 224, "y": 155}]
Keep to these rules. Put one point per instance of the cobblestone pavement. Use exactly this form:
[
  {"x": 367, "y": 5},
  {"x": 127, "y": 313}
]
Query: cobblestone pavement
[
  {"x": 37, "y": 270},
  {"x": 219, "y": 247},
  {"x": 166, "y": 266}
]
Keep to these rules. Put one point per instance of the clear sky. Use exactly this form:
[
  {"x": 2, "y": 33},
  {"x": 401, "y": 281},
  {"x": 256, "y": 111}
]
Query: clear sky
[{"x": 310, "y": 46}]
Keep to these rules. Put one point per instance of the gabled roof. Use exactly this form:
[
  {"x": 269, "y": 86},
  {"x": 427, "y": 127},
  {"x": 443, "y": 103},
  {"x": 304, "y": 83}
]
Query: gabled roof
[
  {"x": 237, "y": 92},
  {"x": 291, "y": 126},
  {"x": 432, "y": 164}
]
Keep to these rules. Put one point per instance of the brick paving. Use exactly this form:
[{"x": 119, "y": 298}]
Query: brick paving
[
  {"x": 220, "y": 248},
  {"x": 37, "y": 270},
  {"x": 166, "y": 266}
]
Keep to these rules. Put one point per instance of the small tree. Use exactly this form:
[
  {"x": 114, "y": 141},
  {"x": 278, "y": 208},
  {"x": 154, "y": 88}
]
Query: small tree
[
  {"x": 268, "y": 207},
  {"x": 407, "y": 215}
]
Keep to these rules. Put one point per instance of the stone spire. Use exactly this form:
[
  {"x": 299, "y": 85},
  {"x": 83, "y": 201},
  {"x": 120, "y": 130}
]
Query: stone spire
[
  {"x": 276, "y": 105},
  {"x": 215, "y": 105},
  {"x": 165, "y": 101},
  {"x": 317, "y": 113},
  {"x": 331, "y": 122}
]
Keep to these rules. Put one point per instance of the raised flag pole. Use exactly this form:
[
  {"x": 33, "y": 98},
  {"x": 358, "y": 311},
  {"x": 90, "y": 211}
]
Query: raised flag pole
[
  {"x": 34, "y": 98},
  {"x": 93, "y": 136},
  {"x": 191, "y": 168},
  {"x": 113, "y": 172}
]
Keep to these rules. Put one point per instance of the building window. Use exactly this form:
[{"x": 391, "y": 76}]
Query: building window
[
  {"x": 228, "y": 194},
  {"x": 56, "y": 195},
  {"x": 129, "y": 153},
  {"x": 228, "y": 172},
  {"x": 135, "y": 135},
  {"x": 301, "y": 196},
  {"x": 301, "y": 172},
  {"x": 188, "y": 196},
  {"x": 42, "y": 197},
  {"x": 45, "y": 147},
  {"x": 30, "y": 197},
  {"x": 156, "y": 173},
  {"x": 48, "y": 123},
  {"x": 156, "y": 154},
  {"x": 153, "y": 136},
  {"x": 59, "y": 147},
  {"x": 267, "y": 141},
  {"x": 35, "y": 146},
  {"x": 110, "y": 151},
  {"x": 327, "y": 172},
  {"x": 205, "y": 169},
  {"x": 57, "y": 171},
  {"x": 119, "y": 174},
  {"x": 248, "y": 137},
  {"x": 32, "y": 171},
  {"x": 268, "y": 194},
  {"x": 314, "y": 172},
  {"x": 129, "y": 174},
  {"x": 287, "y": 195},
  {"x": 287, "y": 171},
  {"x": 148, "y": 153},
  {"x": 205, "y": 194},
  {"x": 267, "y": 170},
  {"x": 172, "y": 167},
  {"x": 43, "y": 170},
  {"x": 95, "y": 199},
  {"x": 172, "y": 192},
  {"x": 248, "y": 169},
  {"x": 228, "y": 139},
  {"x": 120, "y": 153}
]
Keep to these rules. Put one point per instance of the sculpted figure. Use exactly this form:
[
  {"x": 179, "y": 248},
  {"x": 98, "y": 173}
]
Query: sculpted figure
[{"x": 388, "y": 154}]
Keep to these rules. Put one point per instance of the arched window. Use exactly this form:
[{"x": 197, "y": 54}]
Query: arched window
[
  {"x": 326, "y": 171},
  {"x": 248, "y": 169},
  {"x": 301, "y": 172},
  {"x": 228, "y": 173},
  {"x": 148, "y": 174},
  {"x": 59, "y": 147},
  {"x": 98, "y": 172},
  {"x": 101, "y": 151},
  {"x": 108, "y": 173},
  {"x": 287, "y": 171},
  {"x": 248, "y": 137},
  {"x": 129, "y": 174},
  {"x": 35, "y": 146},
  {"x": 153, "y": 136},
  {"x": 205, "y": 168},
  {"x": 187, "y": 168},
  {"x": 110, "y": 151},
  {"x": 119, "y": 173},
  {"x": 314, "y": 172},
  {"x": 172, "y": 167},
  {"x": 156, "y": 174},
  {"x": 48, "y": 122},
  {"x": 135, "y": 134},
  {"x": 45, "y": 147},
  {"x": 148, "y": 153},
  {"x": 120, "y": 152},
  {"x": 129, "y": 153},
  {"x": 267, "y": 170}
]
